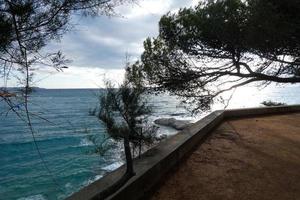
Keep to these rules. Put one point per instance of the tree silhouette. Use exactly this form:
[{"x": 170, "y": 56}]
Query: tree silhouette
[
  {"x": 220, "y": 45},
  {"x": 123, "y": 111}
]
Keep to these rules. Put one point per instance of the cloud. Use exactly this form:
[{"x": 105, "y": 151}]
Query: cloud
[
  {"x": 144, "y": 8},
  {"x": 102, "y": 42},
  {"x": 79, "y": 77}
]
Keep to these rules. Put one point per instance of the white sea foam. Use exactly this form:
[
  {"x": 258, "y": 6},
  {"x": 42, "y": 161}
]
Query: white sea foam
[
  {"x": 85, "y": 142},
  {"x": 68, "y": 185},
  {"x": 95, "y": 178},
  {"x": 112, "y": 166},
  {"x": 34, "y": 197},
  {"x": 90, "y": 181}
]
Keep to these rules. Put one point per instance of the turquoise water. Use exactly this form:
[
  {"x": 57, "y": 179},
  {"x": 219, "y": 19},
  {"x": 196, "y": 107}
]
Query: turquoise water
[
  {"x": 63, "y": 144},
  {"x": 63, "y": 141}
]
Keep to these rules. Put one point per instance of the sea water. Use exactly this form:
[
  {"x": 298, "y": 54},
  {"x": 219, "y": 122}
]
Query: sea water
[{"x": 61, "y": 122}]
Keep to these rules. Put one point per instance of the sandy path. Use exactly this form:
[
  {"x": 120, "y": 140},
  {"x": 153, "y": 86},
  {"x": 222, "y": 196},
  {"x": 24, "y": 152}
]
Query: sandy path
[{"x": 251, "y": 158}]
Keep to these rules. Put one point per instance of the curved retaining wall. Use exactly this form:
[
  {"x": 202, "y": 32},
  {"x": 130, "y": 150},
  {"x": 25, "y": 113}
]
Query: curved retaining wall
[{"x": 156, "y": 162}]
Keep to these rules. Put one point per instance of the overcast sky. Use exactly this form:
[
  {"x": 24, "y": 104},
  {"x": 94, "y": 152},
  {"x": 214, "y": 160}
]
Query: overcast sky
[{"x": 98, "y": 45}]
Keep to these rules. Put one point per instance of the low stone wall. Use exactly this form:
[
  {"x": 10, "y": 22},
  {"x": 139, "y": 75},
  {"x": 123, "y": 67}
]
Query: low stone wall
[
  {"x": 248, "y": 112},
  {"x": 156, "y": 162}
]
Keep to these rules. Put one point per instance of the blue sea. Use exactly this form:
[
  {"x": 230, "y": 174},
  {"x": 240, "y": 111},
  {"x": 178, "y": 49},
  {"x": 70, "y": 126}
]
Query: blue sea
[{"x": 63, "y": 138}]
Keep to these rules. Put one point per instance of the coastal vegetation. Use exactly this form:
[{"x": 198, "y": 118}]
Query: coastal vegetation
[
  {"x": 272, "y": 103},
  {"x": 123, "y": 112},
  {"x": 204, "y": 51},
  {"x": 200, "y": 53}
]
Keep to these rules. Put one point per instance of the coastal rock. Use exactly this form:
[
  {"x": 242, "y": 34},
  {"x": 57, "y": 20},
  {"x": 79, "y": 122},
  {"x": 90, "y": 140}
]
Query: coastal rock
[{"x": 172, "y": 122}]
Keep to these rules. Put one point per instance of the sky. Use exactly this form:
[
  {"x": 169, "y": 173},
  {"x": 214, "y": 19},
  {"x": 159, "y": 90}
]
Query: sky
[{"x": 97, "y": 45}]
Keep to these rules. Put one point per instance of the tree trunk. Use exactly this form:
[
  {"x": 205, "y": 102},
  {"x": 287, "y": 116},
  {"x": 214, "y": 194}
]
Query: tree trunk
[
  {"x": 140, "y": 143},
  {"x": 129, "y": 161},
  {"x": 128, "y": 174}
]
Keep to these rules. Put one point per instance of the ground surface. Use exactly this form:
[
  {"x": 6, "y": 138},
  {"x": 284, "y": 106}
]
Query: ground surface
[{"x": 252, "y": 158}]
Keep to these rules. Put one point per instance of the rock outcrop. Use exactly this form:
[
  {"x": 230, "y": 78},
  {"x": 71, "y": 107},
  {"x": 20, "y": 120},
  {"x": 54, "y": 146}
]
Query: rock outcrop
[{"x": 172, "y": 122}]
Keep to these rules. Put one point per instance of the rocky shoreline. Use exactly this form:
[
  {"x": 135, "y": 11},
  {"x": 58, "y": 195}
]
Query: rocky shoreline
[{"x": 174, "y": 123}]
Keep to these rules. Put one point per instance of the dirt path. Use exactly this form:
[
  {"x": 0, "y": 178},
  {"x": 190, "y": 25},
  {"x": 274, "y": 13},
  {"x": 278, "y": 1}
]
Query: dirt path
[{"x": 252, "y": 158}]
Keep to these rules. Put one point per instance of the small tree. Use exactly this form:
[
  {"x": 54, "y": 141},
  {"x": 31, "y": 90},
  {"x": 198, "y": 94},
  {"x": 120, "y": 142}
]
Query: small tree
[
  {"x": 123, "y": 110},
  {"x": 224, "y": 44}
]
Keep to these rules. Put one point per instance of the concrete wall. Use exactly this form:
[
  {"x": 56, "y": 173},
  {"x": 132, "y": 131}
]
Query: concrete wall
[
  {"x": 156, "y": 162},
  {"x": 248, "y": 112}
]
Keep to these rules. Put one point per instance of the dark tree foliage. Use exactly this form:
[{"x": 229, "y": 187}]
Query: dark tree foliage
[
  {"x": 6, "y": 29},
  {"x": 223, "y": 44},
  {"x": 123, "y": 111}
]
